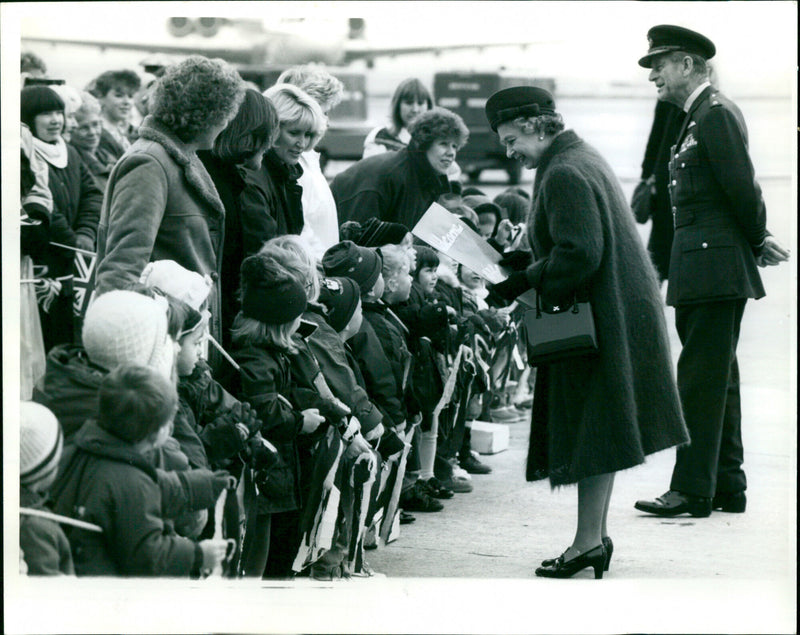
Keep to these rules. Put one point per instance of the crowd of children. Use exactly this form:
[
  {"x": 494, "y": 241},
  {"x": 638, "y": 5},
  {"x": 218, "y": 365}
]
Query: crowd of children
[{"x": 341, "y": 409}]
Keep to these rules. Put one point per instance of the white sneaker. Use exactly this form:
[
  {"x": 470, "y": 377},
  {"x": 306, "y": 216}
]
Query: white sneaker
[{"x": 460, "y": 473}]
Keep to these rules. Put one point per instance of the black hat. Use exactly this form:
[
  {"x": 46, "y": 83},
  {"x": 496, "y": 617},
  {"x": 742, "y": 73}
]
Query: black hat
[
  {"x": 269, "y": 295},
  {"x": 667, "y": 37},
  {"x": 348, "y": 260},
  {"x": 340, "y": 296},
  {"x": 34, "y": 100},
  {"x": 518, "y": 101}
]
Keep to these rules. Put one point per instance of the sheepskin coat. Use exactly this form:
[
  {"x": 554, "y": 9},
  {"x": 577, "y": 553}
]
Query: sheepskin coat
[
  {"x": 599, "y": 414},
  {"x": 160, "y": 204}
]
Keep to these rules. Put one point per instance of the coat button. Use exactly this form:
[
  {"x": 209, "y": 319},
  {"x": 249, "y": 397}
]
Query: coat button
[
  {"x": 705, "y": 245},
  {"x": 674, "y": 210},
  {"x": 683, "y": 165},
  {"x": 674, "y": 182}
]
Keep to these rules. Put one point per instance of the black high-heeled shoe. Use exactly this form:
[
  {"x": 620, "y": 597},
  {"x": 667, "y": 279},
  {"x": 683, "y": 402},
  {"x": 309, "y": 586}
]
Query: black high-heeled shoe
[
  {"x": 609, "y": 550},
  {"x": 606, "y": 543},
  {"x": 595, "y": 558}
]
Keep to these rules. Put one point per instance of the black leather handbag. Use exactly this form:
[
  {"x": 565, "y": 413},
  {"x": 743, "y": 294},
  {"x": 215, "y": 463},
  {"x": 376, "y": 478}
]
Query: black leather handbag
[{"x": 554, "y": 333}]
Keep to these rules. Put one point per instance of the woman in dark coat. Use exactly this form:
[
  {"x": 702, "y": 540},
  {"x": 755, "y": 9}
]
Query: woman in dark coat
[
  {"x": 272, "y": 193},
  {"x": 241, "y": 145},
  {"x": 592, "y": 416},
  {"x": 399, "y": 186},
  {"x": 161, "y": 203},
  {"x": 76, "y": 209}
]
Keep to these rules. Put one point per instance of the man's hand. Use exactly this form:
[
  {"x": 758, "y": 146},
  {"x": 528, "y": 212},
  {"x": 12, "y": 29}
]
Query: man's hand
[
  {"x": 357, "y": 446},
  {"x": 512, "y": 287},
  {"x": 773, "y": 253}
]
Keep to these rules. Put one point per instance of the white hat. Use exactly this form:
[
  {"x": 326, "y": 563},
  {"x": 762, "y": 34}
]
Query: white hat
[
  {"x": 40, "y": 443},
  {"x": 177, "y": 281},
  {"x": 125, "y": 327}
]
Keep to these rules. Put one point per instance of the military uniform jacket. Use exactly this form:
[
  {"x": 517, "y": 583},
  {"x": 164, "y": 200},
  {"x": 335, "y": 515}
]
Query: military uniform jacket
[{"x": 720, "y": 217}]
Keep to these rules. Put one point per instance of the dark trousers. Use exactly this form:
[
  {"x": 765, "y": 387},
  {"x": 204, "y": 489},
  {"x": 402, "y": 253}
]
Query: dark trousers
[{"x": 708, "y": 383}]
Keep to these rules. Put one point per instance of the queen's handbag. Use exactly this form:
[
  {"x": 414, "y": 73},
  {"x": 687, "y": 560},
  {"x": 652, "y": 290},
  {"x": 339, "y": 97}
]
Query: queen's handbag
[{"x": 559, "y": 332}]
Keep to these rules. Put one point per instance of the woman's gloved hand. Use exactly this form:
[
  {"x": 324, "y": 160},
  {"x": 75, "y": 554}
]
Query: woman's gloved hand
[
  {"x": 512, "y": 287},
  {"x": 517, "y": 260}
]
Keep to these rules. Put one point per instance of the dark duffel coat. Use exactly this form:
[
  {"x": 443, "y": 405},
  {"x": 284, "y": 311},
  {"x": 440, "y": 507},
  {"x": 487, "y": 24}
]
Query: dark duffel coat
[
  {"x": 394, "y": 186},
  {"x": 720, "y": 217},
  {"x": 605, "y": 413}
]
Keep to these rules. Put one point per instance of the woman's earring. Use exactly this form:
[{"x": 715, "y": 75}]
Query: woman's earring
[{"x": 541, "y": 138}]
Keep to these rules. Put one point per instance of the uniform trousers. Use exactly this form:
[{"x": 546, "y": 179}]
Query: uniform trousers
[{"x": 708, "y": 383}]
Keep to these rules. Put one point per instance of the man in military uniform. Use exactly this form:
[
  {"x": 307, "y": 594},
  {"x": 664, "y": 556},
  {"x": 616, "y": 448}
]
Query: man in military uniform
[{"x": 720, "y": 240}]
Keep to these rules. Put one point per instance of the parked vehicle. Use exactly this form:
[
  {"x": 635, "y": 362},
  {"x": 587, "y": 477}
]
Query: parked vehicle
[{"x": 465, "y": 93}]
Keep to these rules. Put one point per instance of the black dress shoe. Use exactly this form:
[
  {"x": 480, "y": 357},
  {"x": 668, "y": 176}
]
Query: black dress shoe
[
  {"x": 675, "y": 503},
  {"x": 406, "y": 518},
  {"x": 595, "y": 558},
  {"x": 734, "y": 503}
]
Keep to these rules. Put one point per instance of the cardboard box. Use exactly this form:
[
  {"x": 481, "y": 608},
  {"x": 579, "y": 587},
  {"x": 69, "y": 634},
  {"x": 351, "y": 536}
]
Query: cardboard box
[{"x": 489, "y": 438}]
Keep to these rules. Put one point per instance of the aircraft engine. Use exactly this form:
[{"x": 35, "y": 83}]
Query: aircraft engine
[
  {"x": 180, "y": 27},
  {"x": 209, "y": 27}
]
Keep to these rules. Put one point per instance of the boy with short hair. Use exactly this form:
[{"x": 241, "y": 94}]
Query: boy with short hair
[
  {"x": 106, "y": 479},
  {"x": 115, "y": 91}
]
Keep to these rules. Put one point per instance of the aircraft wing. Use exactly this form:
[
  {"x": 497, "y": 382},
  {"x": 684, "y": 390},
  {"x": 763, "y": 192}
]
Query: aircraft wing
[
  {"x": 359, "y": 50},
  {"x": 233, "y": 55}
]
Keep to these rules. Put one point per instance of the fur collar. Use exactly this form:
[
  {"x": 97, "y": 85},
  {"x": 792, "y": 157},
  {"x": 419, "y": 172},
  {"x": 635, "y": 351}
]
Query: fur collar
[
  {"x": 562, "y": 141},
  {"x": 193, "y": 170}
]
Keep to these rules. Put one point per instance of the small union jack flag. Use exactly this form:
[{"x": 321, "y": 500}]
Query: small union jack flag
[{"x": 83, "y": 282}]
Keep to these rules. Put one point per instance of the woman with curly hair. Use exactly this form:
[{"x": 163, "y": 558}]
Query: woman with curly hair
[
  {"x": 411, "y": 98},
  {"x": 272, "y": 190},
  {"x": 161, "y": 203},
  {"x": 399, "y": 186},
  {"x": 241, "y": 145}
]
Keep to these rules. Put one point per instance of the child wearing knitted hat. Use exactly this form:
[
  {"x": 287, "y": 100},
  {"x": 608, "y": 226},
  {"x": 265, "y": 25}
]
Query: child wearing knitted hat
[
  {"x": 43, "y": 544},
  {"x": 108, "y": 479},
  {"x": 272, "y": 305}
]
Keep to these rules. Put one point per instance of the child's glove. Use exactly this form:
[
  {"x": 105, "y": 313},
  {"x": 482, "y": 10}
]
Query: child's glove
[
  {"x": 333, "y": 410},
  {"x": 262, "y": 454},
  {"x": 242, "y": 412}
]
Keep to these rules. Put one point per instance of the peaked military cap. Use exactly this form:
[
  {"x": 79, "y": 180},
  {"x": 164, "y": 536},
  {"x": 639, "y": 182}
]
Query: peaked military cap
[
  {"x": 518, "y": 101},
  {"x": 667, "y": 37}
]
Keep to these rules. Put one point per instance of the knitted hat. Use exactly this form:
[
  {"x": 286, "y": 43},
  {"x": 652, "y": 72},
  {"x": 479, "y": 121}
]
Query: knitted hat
[
  {"x": 270, "y": 295},
  {"x": 177, "y": 281},
  {"x": 348, "y": 260},
  {"x": 125, "y": 327},
  {"x": 376, "y": 233},
  {"x": 40, "y": 443},
  {"x": 340, "y": 296},
  {"x": 34, "y": 100}
]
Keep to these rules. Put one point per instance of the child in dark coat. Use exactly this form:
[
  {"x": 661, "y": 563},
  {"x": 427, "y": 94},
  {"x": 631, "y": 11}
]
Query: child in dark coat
[
  {"x": 107, "y": 479},
  {"x": 272, "y": 305},
  {"x": 43, "y": 544}
]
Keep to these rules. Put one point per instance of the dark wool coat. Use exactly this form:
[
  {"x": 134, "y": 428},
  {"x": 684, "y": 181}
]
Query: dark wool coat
[
  {"x": 376, "y": 371},
  {"x": 160, "y": 204},
  {"x": 392, "y": 334},
  {"x": 330, "y": 353},
  {"x": 603, "y": 414},
  {"x": 393, "y": 186},
  {"x": 43, "y": 543},
  {"x": 229, "y": 182},
  {"x": 76, "y": 208},
  {"x": 266, "y": 382},
  {"x": 105, "y": 481},
  {"x": 271, "y": 202}
]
